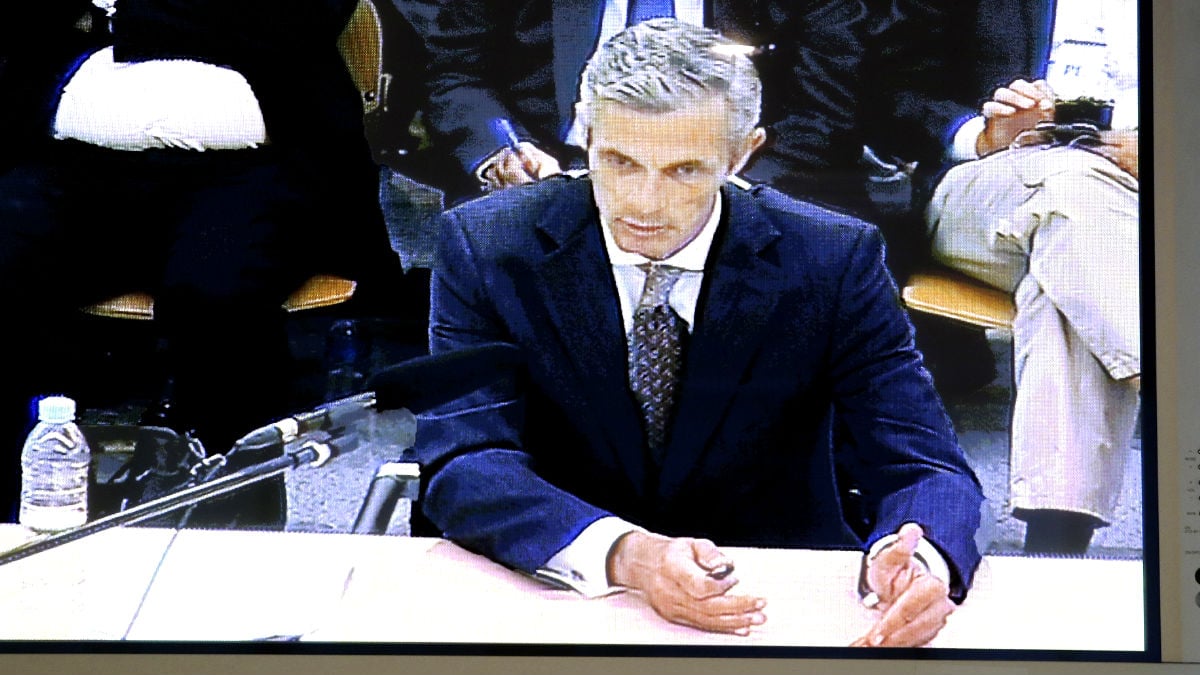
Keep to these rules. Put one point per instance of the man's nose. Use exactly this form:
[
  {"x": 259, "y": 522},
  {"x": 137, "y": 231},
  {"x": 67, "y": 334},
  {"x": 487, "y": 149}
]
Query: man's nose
[{"x": 650, "y": 196}]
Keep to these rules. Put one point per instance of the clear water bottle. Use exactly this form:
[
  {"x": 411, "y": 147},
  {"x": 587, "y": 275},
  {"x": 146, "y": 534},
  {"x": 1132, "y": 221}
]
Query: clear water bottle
[{"x": 54, "y": 469}]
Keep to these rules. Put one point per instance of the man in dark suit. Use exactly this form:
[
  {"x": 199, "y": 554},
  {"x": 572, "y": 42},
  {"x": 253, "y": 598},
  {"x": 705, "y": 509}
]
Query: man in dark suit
[
  {"x": 522, "y": 61},
  {"x": 767, "y": 339},
  {"x": 205, "y": 151}
]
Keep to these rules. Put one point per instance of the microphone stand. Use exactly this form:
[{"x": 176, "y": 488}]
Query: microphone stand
[{"x": 302, "y": 451}]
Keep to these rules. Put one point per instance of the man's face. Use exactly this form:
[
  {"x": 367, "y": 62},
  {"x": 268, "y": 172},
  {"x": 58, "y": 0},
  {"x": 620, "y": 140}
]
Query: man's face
[{"x": 656, "y": 176}]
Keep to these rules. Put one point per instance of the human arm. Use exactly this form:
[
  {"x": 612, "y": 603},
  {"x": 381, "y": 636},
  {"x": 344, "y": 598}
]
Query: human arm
[
  {"x": 934, "y": 61},
  {"x": 899, "y": 446},
  {"x": 486, "y": 488},
  {"x": 476, "y": 67}
]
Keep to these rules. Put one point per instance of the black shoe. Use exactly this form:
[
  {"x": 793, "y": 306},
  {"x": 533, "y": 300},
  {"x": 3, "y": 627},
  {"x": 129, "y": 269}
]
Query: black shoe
[{"x": 1050, "y": 531}]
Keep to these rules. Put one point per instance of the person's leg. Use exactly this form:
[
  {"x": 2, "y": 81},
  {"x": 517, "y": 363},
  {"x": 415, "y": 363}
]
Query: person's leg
[
  {"x": 1064, "y": 477},
  {"x": 1081, "y": 301},
  {"x": 230, "y": 264},
  {"x": 57, "y": 237},
  {"x": 1062, "y": 224}
]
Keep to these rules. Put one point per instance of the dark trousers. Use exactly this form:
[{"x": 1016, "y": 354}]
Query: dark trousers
[{"x": 218, "y": 238}]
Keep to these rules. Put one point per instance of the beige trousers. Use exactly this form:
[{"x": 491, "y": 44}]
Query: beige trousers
[{"x": 1057, "y": 227}]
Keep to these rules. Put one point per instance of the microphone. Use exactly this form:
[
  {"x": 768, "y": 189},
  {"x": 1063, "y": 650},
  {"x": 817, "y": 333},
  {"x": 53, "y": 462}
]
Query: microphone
[
  {"x": 416, "y": 384},
  {"x": 430, "y": 381}
]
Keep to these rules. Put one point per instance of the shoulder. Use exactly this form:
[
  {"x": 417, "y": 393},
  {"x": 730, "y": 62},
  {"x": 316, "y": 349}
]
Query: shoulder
[
  {"x": 512, "y": 219},
  {"x": 810, "y": 229}
]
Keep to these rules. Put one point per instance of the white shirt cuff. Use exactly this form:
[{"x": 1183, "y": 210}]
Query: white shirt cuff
[
  {"x": 925, "y": 553},
  {"x": 583, "y": 564},
  {"x": 963, "y": 147}
]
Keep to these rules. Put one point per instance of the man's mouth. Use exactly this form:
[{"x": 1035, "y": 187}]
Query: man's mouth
[{"x": 641, "y": 228}]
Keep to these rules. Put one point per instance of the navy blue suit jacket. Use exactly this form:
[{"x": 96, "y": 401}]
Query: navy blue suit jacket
[{"x": 800, "y": 352}]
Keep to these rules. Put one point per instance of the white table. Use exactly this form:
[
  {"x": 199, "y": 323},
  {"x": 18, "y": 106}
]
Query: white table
[{"x": 239, "y": 585}]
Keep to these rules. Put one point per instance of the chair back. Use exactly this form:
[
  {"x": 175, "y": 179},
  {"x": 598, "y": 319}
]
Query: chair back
[{"x": 361, "y": 45}]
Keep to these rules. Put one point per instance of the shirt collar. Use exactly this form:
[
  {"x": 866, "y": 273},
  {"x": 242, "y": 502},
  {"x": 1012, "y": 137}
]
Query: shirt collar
[{"x": 691, "y": 257}]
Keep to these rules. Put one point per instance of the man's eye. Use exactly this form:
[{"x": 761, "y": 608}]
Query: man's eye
[
  {"x": 617, "y": 161},
  {"x": 687, "y": 171}
]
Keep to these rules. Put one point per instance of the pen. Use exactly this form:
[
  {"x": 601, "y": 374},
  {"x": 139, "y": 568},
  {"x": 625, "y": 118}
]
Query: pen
[
  {"x": 721, "y": 572},
  {"x": 506, "y": 134}
]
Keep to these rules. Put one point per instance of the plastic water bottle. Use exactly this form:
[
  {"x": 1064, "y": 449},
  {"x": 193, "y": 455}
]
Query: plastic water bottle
[{"x": 54, "y": 469}]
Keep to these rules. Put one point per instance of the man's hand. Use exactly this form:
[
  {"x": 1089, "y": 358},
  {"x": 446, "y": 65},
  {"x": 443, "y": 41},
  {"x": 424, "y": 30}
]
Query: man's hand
[
  {"x": 1122, "y": 148},
  {"x": 915, "y": 603},
  {"x": 509, "y": 168},
  {"x": 1013, "y": 109},
  {"x": 674, "y": 576}
]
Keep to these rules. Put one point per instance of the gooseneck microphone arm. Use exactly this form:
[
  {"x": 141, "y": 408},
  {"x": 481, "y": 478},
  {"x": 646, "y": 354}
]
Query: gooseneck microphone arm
[
  {"x": 314, "y": 437},
  {"x": 310, "y": 451}
]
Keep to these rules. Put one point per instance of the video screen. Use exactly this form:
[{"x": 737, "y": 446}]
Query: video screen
[{"x": 637, "y": 329}]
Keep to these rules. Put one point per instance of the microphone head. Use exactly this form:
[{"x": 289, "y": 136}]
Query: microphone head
[{"x": 429, "y": 381}]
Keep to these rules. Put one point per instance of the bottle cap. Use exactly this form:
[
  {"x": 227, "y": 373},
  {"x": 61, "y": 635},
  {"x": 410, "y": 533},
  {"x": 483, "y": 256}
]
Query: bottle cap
[{"x": 56, "y": 409}]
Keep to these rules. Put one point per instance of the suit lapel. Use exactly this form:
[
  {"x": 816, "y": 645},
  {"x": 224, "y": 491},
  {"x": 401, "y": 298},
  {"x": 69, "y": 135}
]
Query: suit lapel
[
  {"x": 741, "y": 290},
  {"x": 576, "y": 285}
]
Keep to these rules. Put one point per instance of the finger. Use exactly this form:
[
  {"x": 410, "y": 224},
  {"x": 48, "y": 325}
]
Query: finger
[
  {"x": 711, "y": 558},
  {"x": 512, "y": 170},
  {"x": 912, "y": 607},
  {"x": 1016, "y": 99},
  {"x": 547, "y": 167},
  {"x": 923, "y": 628},
  {"x": 1046, "y": 90},
  {"x": 689, "y": 564},
  {"x": 710, "y": 615},
  {"x": 997, "y": 109},
  {"x": 529, "y": 160}
]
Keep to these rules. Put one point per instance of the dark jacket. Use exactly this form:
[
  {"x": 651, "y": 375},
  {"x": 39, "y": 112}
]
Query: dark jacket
[{"x": 799, "y": 340}]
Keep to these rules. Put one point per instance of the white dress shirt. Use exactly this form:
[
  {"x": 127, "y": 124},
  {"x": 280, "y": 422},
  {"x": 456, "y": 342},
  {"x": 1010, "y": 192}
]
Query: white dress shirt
[{"x": 582, "y": 564}]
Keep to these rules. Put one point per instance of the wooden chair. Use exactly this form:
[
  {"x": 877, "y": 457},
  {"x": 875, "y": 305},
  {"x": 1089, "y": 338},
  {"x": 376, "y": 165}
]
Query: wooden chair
[
  {"x": 361, "y": 45},
  {"x": 953, "y": 295}
]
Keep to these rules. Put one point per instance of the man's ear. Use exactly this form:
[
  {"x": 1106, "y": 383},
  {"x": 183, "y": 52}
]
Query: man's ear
[{"x": 747, "y": 148}]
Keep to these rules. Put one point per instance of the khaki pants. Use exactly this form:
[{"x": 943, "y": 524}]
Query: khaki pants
[{"x": 1057, "y": 227}]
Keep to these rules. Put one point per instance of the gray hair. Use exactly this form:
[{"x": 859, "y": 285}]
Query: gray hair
[{"x": 665, "y": 65}]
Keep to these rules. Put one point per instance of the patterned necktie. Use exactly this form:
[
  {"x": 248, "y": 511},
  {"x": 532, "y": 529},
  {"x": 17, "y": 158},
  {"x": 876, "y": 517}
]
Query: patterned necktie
[
  {"x": 656, "y": 354},
  {"x": 643, "y": 10}
]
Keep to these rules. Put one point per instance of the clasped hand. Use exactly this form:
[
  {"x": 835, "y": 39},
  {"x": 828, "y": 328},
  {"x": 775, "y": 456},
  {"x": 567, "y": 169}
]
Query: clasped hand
[{"x": 914, "y": 603}]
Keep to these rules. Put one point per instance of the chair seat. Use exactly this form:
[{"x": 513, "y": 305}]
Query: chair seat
[
  {"x": 953, "y": 295},
  {"x": 321, "y": 290}
]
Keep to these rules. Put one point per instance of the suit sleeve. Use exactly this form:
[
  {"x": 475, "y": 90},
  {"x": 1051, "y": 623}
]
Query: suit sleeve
[
  {"x": 898, "y": 442},
  {"x": 934, "y": 62},
  {"x": 463, "y": 42},
  {"x": 484, "y": 491}
]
